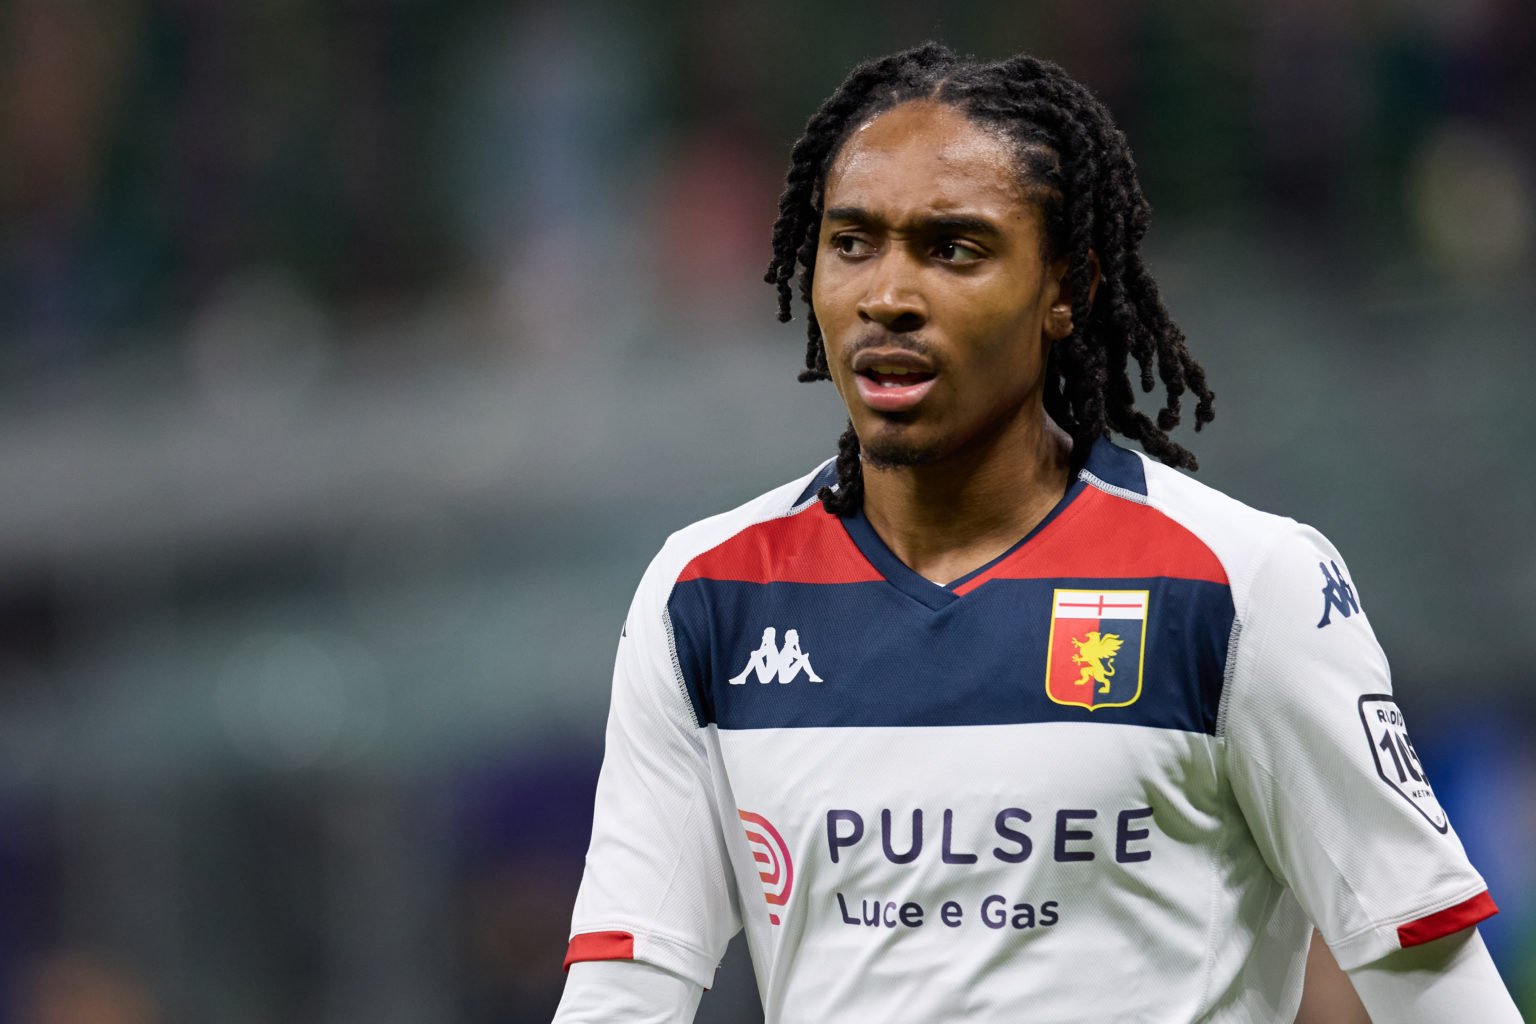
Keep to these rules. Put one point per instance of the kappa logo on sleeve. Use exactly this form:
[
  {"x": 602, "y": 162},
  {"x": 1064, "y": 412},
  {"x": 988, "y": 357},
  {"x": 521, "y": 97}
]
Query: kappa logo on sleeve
[
  {"x": 1396, "y": 761},
  {"x": 770, "y": 661},
  {"x": 1338, "y": 595}
]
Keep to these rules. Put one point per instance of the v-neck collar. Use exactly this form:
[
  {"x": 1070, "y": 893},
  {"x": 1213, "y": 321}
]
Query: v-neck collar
[{"x": 936, "y": 595}]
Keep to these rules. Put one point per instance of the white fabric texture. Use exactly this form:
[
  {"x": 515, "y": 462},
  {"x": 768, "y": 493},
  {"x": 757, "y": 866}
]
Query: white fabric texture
[{"x": 631, "y": 991}]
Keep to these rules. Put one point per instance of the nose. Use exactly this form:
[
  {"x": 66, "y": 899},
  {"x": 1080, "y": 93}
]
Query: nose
[{"x": 893, "y": 299}]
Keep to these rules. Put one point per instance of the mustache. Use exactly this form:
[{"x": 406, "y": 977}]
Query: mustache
[{"x": 888, "y": 339}]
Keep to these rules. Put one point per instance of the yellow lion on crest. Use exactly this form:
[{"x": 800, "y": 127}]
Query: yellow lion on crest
[{"x": 1094, "y": 652}]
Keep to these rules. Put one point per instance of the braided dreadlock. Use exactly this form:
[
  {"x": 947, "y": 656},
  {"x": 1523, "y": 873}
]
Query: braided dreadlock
[{"x": 1076, "y": 164}]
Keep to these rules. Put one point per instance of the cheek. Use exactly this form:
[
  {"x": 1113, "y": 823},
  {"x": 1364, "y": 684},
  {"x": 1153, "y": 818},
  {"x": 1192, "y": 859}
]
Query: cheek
[
  {"x": 819, "y": 305},
  {"x": 836, "y": 309},
  {"x": 827, "y": 299},
  {"x": 997, "y": 315},
  {"x": 825, "y": 306},
  {"x": 1009, "y": 348}
]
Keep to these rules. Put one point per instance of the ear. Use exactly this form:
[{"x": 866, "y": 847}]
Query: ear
[{"x": 1058, "y": 314}]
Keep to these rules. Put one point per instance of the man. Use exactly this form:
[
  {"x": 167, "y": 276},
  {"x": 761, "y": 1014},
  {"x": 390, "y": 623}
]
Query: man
[{"x": 1085, "y": 740}]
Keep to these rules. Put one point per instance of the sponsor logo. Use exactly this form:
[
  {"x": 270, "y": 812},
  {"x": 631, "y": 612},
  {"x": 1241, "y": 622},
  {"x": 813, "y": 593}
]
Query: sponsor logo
[
  {"x": 1097, "y": 647},
  {"x": 1338, "y": 595},
  {"x": 1396, "y": 761},
  {"x": 774, "y": 866},
  {"x": 1066, "y": 835},
  {"x": 905, "y": 836},
  {"x": 770, "y": 661}
]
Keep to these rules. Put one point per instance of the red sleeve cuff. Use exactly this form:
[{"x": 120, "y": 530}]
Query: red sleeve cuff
[
  {"x": 600, "y": 946},
  {"x": 1444, "y": 922}
]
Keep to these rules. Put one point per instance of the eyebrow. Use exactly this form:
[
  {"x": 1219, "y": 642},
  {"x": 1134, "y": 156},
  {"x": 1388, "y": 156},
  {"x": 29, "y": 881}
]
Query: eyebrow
[{"x": 936, "y": 224}]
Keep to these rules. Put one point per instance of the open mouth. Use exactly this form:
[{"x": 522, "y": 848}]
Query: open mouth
[
  {"x": 887, "y": 376},
  {"x": 891, "y": 387}
]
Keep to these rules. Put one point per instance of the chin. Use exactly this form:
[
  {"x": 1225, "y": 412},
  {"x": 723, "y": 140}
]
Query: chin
[{"x": 896, "y": 453}]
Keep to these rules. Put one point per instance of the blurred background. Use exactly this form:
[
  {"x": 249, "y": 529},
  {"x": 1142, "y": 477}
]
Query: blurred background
[{"x": 355, "y": 358}]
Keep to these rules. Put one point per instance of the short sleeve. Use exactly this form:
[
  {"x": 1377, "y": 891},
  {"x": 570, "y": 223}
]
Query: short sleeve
[
  {"x": 657, "y": 886},
  {"x": 1324, "y": 770}
]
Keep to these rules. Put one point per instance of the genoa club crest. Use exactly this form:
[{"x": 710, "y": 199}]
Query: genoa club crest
[{"x": 1097, "y": 647}]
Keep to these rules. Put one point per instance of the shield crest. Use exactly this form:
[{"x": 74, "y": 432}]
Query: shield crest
[{"x": 1097, "y": 647}]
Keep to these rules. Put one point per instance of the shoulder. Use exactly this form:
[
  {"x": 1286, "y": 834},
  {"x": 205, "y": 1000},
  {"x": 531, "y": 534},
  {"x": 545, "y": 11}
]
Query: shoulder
[
  {"x": 740, "y": 542},
  {"x": 1245, "y": 540}
]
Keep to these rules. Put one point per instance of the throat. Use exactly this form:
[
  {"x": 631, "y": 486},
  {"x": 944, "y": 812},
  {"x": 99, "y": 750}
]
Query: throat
[{"x": 944, "y": 527}]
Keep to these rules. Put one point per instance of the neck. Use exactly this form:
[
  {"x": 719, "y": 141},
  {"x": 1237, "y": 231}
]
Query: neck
[{"x": 951, "y": 516}]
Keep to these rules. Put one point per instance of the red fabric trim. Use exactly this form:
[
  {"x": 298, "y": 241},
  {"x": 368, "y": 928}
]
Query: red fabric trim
[
  {"x": 1107, "y": 537},
  {"x": 809, "y": 547},
  {"x": 1444, "y": 922},
  {"x": 600, "y": 946}
]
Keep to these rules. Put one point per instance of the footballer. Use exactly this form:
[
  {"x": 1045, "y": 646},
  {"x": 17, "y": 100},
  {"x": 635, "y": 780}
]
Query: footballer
[{"x": 990, "y": 719}]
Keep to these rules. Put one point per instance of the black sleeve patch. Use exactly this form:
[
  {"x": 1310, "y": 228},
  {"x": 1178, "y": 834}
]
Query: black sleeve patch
[{"x": 1396, "y": 761}]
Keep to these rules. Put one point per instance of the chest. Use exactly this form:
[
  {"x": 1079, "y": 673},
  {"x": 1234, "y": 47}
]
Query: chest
[{"x": 1146, "y": 652}]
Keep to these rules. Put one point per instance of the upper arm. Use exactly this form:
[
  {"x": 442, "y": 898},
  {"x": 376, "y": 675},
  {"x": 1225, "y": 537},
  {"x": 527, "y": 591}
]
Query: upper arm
[
  {"x": 1322, "y": 766},
  {"x": 658, "y": 886}
]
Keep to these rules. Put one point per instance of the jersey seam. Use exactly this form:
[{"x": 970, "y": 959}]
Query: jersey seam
[
  {"x": 1270, "y": 542},
  {"x": 1146, "y": 500},
  {"x": 1229, "y": 668},
  {"x": 1239, "y": 611},
  {"x": 1234, "y": 638},
  {"x": 1228, "y": 677},
  {"x": 679, "y": 679},
  {"x": 1121, "y": 492}
]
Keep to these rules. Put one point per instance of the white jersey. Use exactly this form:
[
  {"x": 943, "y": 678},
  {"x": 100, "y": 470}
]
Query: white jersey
[{"x": 1117, "y": 774}]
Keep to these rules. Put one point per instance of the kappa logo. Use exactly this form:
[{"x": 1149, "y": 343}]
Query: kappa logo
[
  {"x": 1338, "y": 595},
  {"x": 774, "y": 867},
  {"x": 1097, "y": 647},
  {"x": 771, "y": 661}
]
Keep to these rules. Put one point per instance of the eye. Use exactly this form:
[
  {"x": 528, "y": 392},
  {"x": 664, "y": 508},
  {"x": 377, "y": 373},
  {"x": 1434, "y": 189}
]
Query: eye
[
  {"x": 952, "y": 250},
  {"x": 852, "y": 245}
]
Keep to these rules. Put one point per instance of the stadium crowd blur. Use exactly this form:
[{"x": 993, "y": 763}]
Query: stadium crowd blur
[{"x": 355, "y": 358}]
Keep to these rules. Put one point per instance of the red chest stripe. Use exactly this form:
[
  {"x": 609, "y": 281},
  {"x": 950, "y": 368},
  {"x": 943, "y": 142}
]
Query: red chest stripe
[
  {"x": 1104, "y": 537},
  {"x": 810, "y": 547}
]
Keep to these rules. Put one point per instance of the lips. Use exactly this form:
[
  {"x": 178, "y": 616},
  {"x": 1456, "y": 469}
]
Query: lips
[{"x": 892, "y": 381}]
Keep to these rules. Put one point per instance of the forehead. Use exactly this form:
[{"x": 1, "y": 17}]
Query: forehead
[{"x": 925, "y": 156}]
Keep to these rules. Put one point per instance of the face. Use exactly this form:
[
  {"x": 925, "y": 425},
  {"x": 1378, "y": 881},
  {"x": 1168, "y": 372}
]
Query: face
[{"x": 932, "y": 289}]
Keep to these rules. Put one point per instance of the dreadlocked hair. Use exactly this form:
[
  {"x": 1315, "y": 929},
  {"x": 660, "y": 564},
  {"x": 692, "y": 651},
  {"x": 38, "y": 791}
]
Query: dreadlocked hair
[{"x": 1075, "y": 163}]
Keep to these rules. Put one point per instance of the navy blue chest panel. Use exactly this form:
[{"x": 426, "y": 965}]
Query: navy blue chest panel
[{"x": 883, "y": 659}]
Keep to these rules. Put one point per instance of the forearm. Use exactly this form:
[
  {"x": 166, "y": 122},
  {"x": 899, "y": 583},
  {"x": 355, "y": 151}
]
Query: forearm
[
  {"x": 1452, "y": 978},
  {"x": 605, "y": 991}
]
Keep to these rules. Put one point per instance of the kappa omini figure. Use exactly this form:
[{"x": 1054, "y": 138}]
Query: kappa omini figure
[{"x": 770, "y": 661}]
